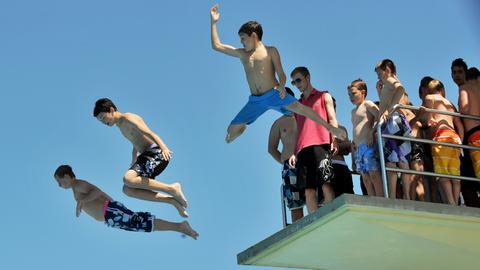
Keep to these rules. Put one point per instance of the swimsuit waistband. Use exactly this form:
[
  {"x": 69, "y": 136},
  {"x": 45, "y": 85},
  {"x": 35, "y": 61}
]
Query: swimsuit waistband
[
  {"x": 339, "y": 162},
  {"x": 263, "y": 96},
  {"x": 105, "y": 205},
  {"x": 471, "y": 132}
]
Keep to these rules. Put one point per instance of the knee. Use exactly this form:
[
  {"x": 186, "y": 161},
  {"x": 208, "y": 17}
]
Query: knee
[
  {"x": 129, "y": 178},
  {"x": 128, "y": 190}
]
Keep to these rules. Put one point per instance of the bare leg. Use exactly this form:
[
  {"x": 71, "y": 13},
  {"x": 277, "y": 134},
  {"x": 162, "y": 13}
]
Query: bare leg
[
  {"x": 417, "y": 189},
  {"x": 456, "y": 190},
  {"x": 446, "y": 184},
  {"x": 181, "y": 227},
  {"x": 297, "y": 214},
  {"x": 406, "y": 180},
  {"x": 368, "y": 184},
  {"x": 234, "y": 131},
  {"x": 377, "y": 184},
  {"x": 133, "y": 180},
  {"x": 392, "y": 181},
  {"x": 308, "y": 112},
  {"x": 328, "y": 193},
  {"x": 149, "y": 195},
  {"x": 311, "y": 200}
]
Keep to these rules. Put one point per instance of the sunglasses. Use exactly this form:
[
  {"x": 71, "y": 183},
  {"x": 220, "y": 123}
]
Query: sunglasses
[{"x": 297, "y": 80}]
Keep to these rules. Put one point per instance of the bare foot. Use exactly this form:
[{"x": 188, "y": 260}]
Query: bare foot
[
  {"x": 186, "y": 229},
  {"x": 180, "y": 208},
  {"x": 179, "y": 195}
]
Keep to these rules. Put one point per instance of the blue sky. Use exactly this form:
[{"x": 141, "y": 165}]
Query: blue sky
[{"x": 154, "y": 58}]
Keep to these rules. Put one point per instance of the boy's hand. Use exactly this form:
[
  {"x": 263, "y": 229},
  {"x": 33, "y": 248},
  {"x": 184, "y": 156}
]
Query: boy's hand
[
  {"x": 334, "y": 147},
  {"x": 214, "y": 15},
  {"x": 292, "y": 161},
  {"x": 166, "y": 154},
  {"x": 281, "y": 91},
  {"x": 79, "y": 208}
]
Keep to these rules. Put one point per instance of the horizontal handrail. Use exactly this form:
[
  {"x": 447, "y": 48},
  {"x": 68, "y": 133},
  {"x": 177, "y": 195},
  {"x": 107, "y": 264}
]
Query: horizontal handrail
[
  {"x": 432, "y": 174},
  {"x": 416, "y": 108},
  {"x": 412, "y": 139}
]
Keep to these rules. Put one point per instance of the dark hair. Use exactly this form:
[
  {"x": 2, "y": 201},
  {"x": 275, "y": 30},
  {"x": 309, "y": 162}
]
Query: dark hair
[
  {"x": 473, "y": 73},
  {"x": 302, "y": 70},
  {"x": 387, "y": 63},
  {"x": 63, "y": 170},
  {"x": 459, "y": 63},
  {"x": 289, "y": 91},
  {"x": 424, "y": 83},
  {"x": 251, "y": 27},
  {"x": 360, "y": 85},
  {"x": 103, "y": 105}
]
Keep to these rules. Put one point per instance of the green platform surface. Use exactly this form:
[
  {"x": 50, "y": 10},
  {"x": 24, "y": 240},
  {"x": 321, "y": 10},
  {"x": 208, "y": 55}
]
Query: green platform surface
[{"x": 360, "y": 232}]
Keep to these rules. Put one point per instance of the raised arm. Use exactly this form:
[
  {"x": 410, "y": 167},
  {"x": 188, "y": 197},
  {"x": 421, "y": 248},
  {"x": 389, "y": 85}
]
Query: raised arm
[
  {"x": 217, "y": 45},
  {"x": 273, "y": 142}
]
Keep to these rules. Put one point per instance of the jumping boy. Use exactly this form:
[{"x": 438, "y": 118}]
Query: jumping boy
[
  {"x": 154, "y": 157},
  {"x": 261, "y": 63},
  {"x": 102, "y": 207},
  {"x": 365, "y": 155}
]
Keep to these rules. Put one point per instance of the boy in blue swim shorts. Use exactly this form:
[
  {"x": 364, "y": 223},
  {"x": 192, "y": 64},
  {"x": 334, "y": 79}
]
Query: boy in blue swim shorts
[
  {"x": 102, "y": 207},
  {"x": 365, "y": 156},
  {"x": 262, "y": 64}
]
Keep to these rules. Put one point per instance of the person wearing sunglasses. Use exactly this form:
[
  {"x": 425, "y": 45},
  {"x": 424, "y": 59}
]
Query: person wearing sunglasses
[{"x": 262, "y": 64}]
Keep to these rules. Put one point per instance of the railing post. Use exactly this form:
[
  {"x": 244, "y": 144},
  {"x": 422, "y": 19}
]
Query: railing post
[{"x": 383, "y": 171}]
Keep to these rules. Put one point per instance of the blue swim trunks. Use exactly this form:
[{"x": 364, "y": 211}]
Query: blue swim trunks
[
  {"x": 366, "y": 159},
  {"x": 118, "y": 216},
  {"x": 257, "y": 105}
]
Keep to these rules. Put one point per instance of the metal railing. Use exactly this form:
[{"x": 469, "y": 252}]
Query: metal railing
[
  {"x": 380, "y": 136},
  {"x": 384, "y": 169}
]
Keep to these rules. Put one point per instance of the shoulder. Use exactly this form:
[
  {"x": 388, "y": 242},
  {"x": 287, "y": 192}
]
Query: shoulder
[{"x": 132, "y": 116}]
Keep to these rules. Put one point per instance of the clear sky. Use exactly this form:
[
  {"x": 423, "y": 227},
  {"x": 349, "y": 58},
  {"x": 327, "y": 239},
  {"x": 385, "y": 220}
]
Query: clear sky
[{"x": 154, "y": 58}]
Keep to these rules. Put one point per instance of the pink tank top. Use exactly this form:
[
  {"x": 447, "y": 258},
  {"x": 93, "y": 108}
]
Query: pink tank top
[{"x": 309, "y": 132}]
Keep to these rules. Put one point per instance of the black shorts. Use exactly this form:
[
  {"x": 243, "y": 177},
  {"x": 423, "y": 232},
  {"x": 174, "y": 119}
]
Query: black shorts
[
  {"x": 342, "y": 180},
  {"x": 150, "y": 163},
  {"x": 418, "y": 152},
  {"x": 314, "y": 166}
]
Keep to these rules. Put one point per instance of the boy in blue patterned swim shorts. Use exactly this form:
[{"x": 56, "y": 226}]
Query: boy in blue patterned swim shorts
[
  {"x": 103, "y": 208},
  {"x": 365, "y": 155},
  {"x": 261, "y": 63}
]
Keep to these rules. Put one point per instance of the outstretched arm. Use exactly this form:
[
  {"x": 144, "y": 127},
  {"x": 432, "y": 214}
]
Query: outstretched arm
[
  {"x": 216, "y": 44},
  {"x": 273, "y": 141}
]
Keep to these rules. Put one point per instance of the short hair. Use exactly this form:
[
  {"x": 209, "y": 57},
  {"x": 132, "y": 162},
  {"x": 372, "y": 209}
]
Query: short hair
[
  {"x": 436, "y": 86},
  {"x": 251, "y": 27},
  {"x": 424, "y": 83},
  {"x": 387, "y": 63},
  {"x": 473, "y": 74},
  {"x": 302, "y": 70},
  {"x": 103, "y": 105},
  {"x": 359, "y": 84},
  {"x": 460, "y": 63},
  {"x": 289, "y": 91},
  {"x": 63, "y": 170}
]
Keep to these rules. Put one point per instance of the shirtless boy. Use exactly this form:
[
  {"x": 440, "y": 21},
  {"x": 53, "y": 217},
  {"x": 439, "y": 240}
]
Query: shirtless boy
[
  {"x": 365, "y": 155},
  {"x": 102, "y": 207},
  {"x": 469, "y": 103},
  {"x": 396, "y": 152},
  {"x": 261, "y": 63},
  {"x": 445, "y": 128},
  {"x": 284, "y": 130},
  {"x": 153, "y": 159}
]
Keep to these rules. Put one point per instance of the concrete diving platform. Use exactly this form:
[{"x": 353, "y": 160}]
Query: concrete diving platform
[{"x": 367, "y": 233}]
